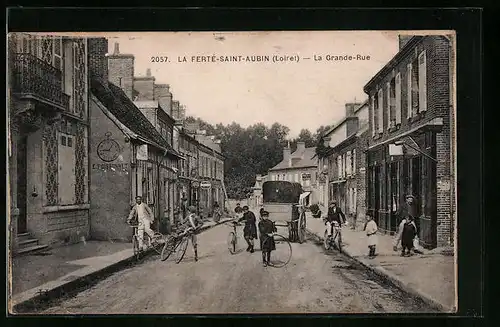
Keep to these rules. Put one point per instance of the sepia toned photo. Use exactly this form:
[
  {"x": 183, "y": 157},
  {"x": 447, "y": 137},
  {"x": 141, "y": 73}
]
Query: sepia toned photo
[{"x": 293, "y": 172}]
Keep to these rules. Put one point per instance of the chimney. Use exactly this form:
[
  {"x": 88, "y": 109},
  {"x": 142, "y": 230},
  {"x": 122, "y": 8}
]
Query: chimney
[
  {"x": 287, "y": 157},
  {"x": 97, "y": 60},
  {"x": 301, "y": 146},
  {"x": 403, "y": 39},
  {"x": 121, "y": 71},
  {"x": 175, "y": 110},
  {"x": 349, "y": 109},
  {"x": 164, "y": 97}
]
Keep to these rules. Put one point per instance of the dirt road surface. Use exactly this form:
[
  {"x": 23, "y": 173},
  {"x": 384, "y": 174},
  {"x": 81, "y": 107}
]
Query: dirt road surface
[{"x": 313, "y": 282}]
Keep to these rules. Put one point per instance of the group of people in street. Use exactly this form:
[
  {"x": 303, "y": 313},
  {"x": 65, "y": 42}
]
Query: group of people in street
[
  {"x": 266, "y": 229},
  {"x": 406, "y": 234},
  {"x": 142, "y": 216}
]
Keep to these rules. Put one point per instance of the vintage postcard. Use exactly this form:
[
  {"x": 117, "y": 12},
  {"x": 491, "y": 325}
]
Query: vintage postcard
[{"x": 235, "y": 172}]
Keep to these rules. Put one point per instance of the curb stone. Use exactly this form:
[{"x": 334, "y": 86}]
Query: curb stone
[
  {"x": 392, "y": 278},
  {"x": 44, "y": 295}
]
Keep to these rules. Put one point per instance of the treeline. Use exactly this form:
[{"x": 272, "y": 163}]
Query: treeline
[{"x": 253, "y": 150}]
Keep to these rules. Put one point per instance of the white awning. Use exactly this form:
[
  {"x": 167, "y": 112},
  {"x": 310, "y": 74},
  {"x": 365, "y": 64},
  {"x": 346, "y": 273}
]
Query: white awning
[{"x": 304, "y": 195}]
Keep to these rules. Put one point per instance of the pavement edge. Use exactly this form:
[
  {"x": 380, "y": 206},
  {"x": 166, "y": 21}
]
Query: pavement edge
[
  {"x": 397, "y": 282},
  {"x": 25, "y": 306}
]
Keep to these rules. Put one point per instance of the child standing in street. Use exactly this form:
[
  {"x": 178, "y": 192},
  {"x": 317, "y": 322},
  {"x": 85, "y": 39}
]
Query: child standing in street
[
  {"x": 267, "y": 244},
  {"x": 371, "y": 232},
  {"x": 408, "y": 235}
]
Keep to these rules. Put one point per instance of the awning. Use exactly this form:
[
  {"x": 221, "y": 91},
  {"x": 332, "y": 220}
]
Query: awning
[{"x": 303, "y": 196}]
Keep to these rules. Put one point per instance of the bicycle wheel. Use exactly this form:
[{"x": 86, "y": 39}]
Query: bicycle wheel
[
  {"x": 157, "y": 242},
  {"x": 135, "y": 244},
  {"x": 283, "y": 253},
  {"x": 231, "y": 242},
  {"x": 338, "y": 241},
  {"x": 326, "y": 241},
  {"x": 302, "y": 228},
  {"x": 168, "y": 248},
  {"x": 180, "y": 250}
]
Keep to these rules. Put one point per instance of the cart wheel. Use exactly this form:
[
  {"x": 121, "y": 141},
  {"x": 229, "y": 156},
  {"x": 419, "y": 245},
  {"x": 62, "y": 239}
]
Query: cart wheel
[{"x": 302, "y": 228}]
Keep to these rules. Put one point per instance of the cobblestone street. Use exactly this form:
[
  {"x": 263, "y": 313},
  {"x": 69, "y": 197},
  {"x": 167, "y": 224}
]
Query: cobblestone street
[{"x": 313, "y": 282}]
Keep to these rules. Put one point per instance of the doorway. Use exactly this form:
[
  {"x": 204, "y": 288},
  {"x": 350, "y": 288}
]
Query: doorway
[
  {"x": 22, "y": 189},
  {"x": 378, "y": 194}
]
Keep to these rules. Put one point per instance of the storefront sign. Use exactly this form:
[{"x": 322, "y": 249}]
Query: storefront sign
[
  {"x": 395, "y": 150},
  {"x": 117, "y": 166},
  {"x": 362, "y": 169},
  {"x": 205, "y": 185},
  {"x": 142, "y": 152}
]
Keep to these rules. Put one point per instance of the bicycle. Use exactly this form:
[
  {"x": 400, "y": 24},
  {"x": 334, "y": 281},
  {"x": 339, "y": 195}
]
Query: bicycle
[
  {"x": 335, "y": 239},
  {"x": 232, "y": 239},
  {"x": 154, "y": 242},
  {"x": 282, "y": 255},
  {"x": 177, "y": 243}
]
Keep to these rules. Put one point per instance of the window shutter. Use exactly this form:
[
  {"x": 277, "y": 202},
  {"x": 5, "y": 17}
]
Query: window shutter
[
  {"x": 372, "y": 101},
  {"x": 339, "y": 167},
  {"x": 380, "y": 111},
  {"x": 348, "y": 163},
  {"x": 354, "y": 161},
  {"x": 408, "y": 95},
  {"x": 398, "y": 98},
  {"x": 388, "y": 106},
  {"x": 422, "y": 81}
]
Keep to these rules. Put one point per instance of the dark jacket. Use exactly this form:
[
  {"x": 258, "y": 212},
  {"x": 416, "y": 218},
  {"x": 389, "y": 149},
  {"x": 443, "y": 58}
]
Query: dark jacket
[
  {"x": 250, "y": 229},
  {"x": 406, "y": 210},
  {"x": 267, "y": 243},
  {"x": 336, "y": 215}
]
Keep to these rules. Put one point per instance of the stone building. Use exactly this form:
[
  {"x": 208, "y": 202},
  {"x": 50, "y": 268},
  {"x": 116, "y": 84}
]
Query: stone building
[
  {"x": 48, "y": 140},
  {"x": 211, "y": 170},
  {"x": 130, "y": 156},
  {"x": 300, "y": 167},
  {"x": 343, "y": 165},
  {"x": 412, "y": 137}
]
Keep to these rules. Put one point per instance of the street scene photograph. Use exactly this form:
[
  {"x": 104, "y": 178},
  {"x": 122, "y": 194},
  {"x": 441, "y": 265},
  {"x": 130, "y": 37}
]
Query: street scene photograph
[{"x": 264, "y": 172}]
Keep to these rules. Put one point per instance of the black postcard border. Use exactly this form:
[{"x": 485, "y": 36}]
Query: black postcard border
[{"x": 470, "y": 141}]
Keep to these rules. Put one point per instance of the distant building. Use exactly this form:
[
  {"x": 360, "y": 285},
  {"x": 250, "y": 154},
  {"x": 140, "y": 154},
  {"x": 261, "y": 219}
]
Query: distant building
[
  {"x": 299, "y": 166},
  {"x": 256, "y": 198},
  {"x": 342, "y": 163}
]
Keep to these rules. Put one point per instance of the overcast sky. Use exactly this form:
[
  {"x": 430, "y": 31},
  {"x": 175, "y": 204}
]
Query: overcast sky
[{"x": 304, "y": 94}]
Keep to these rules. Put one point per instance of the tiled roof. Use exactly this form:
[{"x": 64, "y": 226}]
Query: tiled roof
[
  {"x": 208, "y": 142},
  {"x": 117, "y": 102},
  {"x": 308, "y": 160}
]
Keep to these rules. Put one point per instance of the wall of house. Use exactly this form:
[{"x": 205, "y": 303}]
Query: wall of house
[
  {"x": 151, "y": 115},
  {"x": 337, "y": 136},
  {"x": 438, "y": 106},
  {"x": 110, "y": 190}
]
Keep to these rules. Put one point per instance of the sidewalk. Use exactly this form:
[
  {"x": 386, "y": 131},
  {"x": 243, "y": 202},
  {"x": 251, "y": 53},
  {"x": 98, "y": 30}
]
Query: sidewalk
[
  {"x": 64, "y": 268},
  {"x": 430, "y": 276}
]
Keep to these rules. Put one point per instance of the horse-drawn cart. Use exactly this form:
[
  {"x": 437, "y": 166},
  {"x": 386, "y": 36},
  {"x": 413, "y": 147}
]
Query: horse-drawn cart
[{"x": 286, "y": 207}]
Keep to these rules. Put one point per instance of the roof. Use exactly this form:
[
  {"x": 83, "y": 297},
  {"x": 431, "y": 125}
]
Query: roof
[
  {"x": 208, "y": 142},
  {"x": 339, "y": 124},
  {"x": 146, "y": 104},
  {"x": 308, "y": 160},
  {"x": 117, "y": 102},
  {"x": 392, "y": 63}
]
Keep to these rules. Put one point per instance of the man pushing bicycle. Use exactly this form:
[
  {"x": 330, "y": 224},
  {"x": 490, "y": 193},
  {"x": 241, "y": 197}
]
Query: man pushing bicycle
[
  {"x": 335, "y": 217},
  {"x": 193, "y": 223}
]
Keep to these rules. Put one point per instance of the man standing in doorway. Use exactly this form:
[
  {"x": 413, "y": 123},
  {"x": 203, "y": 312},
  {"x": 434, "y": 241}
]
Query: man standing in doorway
[{"x": 144, "y": 216}]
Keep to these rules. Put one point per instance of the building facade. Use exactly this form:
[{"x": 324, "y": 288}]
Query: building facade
[
  {"x": 343, "y": 159},
  {"x": 411, "y": 141},
  {"x": 48, "y": 140},
  {"x": 131, "y": 152},
  {"x": 211, "y": 170},
  {"x": 301, "y": 166}
]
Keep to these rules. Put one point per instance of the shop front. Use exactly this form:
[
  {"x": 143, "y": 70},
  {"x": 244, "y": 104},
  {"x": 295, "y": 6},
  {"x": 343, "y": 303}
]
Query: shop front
[{"x": 405, "y": 166}]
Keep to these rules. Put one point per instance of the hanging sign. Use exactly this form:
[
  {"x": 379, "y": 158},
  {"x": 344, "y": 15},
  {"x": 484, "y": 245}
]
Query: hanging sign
[
  {"x": 142, "y": 152},
  {"x": 205, "y": 185}
]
